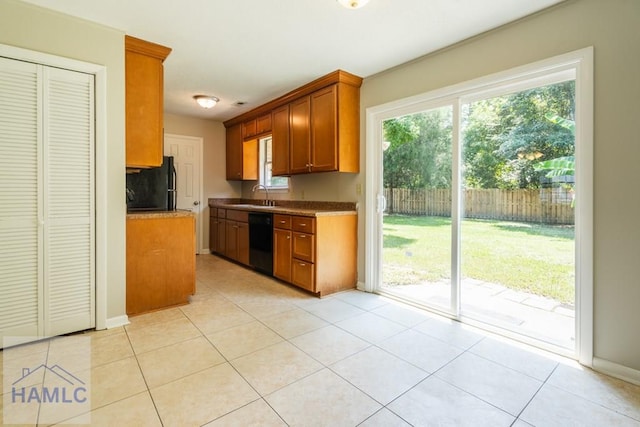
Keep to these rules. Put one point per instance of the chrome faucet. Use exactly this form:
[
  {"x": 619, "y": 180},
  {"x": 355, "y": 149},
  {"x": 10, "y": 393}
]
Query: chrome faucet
[{"x": 266, "y": 202}]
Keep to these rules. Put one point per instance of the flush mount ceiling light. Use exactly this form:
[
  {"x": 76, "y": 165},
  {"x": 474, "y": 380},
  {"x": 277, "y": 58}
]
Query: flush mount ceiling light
[
  {"x": 353, "y": 4},
  {"x": 206, "y": 101}
]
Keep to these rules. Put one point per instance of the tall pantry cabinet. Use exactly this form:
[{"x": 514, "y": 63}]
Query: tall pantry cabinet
[{"x": 47, "y": 209}]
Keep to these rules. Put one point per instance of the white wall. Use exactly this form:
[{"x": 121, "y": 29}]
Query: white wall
[
  {"x": 29, "y": 27},
  {"x": 612, "y": 28}
]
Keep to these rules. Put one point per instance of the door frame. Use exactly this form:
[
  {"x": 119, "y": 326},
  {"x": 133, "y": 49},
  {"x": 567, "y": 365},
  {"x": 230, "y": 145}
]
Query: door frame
[
  {"x": 198, "y": 213},
  {"x": 582, "y": 62},
  {"x": 100, "y": 162}
]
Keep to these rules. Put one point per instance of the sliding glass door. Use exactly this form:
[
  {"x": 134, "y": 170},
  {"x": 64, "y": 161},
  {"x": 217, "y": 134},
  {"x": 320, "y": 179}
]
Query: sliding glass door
[
  {"x": 479, "y": 200},
  {"x": 417, "y": 220}
]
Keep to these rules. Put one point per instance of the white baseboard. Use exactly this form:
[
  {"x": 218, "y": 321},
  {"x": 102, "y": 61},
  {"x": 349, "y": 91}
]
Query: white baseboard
[
  {"x": 615, "y": 370},
  {"x": 360, "y": 286},
  {"x": 204, "y": 251},
  {"x": 115, "y": 322}
]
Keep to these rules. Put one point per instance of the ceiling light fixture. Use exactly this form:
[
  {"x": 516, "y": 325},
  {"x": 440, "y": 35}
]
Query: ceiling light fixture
[
  {"x": 206, "y": 101},
  {"x": 353, "y": 4}
]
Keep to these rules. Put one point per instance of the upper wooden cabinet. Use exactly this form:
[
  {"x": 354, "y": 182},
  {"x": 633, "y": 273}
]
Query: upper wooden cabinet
[
  {"x": 257, "y": 126},
  {"x": 320, "y": 132},
  {"x": 144, "y": 82},
  {"x": 242, "y": 156},
  {"x": 280, "y": 141},
  {"x": 299, "y": 135}
]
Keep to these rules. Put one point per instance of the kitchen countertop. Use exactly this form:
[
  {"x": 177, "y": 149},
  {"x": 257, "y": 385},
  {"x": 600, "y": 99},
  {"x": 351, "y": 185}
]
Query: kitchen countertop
[
  {"x": 159, "y": 214},
  {"x": 288, "y": 207}
]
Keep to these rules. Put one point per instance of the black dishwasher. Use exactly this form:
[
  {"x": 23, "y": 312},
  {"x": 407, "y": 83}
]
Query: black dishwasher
[{"x": 261, "y": 241}]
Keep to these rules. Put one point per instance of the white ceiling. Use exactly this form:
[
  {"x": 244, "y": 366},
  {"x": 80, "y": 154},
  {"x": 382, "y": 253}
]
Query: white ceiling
[{"x": 256, "y": 50}]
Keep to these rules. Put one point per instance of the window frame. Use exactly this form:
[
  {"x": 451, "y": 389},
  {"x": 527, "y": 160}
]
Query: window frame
[{"x": 263, "y": 161}]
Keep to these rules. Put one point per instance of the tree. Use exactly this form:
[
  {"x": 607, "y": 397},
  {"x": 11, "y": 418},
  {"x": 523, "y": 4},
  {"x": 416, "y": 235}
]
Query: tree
[
  {"x": 419, "y": 152},
  {"x": 560, "y": 166},
  {"x": 507, "y": 135}
]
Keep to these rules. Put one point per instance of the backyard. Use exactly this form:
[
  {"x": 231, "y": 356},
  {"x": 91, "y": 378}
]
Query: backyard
[{"x": 535, "y": 258}]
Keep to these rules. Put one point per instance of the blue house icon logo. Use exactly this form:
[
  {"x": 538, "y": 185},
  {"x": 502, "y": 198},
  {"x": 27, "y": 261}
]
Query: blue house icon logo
[{"x": 73, "y": 390}]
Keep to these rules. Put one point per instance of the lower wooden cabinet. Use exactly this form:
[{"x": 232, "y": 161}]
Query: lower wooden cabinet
[
  {"x": 318, "y": 254},
  {"x": 281, "y": 253},
  {"x": 161, "y": 262},
  {"x": 229, "y": 234}
]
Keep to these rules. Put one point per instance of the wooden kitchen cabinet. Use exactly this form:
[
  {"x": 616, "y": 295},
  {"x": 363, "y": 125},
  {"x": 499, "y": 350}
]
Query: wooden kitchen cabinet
[
  {"x": 319, "y": 253},
  {"x": 282, "y": 247},
  {"x": 299, "y": 135},
  {"x": 323, "y": 151},
  {"x": 160, "y": 262},
  {"x": 217, "y": 231},
  {"x": 222, "y": 231},
  {"x": 324, "y": 129},
  {"x": 315, "y": 128},
  {"x": 256, "y": 126},
  {"x": 237, "y": 236},
  {"x": 213, "y": 230},
  {"x": 280, "y": 141},
  {"x": 263, "y": 124},
  {"x": 241, "y": 155},
  {"x": 144, "y": 94}
]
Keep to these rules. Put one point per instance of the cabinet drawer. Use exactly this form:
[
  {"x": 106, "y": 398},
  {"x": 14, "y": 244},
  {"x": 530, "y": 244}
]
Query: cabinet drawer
[
  {"x": 282, "y": 221},
  {"x": 242, "y": 216},
  {"x": 303, "y": 224},
  {"x": 222, "y": 213},
  {"x": 213, "y": 212},
  {"x": 303, "y": 274},
  {"x": 303, "y": 246}
]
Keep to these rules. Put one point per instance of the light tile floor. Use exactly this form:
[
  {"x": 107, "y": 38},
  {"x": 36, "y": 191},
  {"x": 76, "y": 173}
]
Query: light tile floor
[{"x": 251, "y": 351}]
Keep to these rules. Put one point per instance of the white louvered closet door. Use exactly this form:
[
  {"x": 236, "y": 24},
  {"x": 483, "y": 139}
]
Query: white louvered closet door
[
  {"x": 20, "y": 234},
  {"x": 47, "y": 210},
  {"x": 69, "y": 214}
]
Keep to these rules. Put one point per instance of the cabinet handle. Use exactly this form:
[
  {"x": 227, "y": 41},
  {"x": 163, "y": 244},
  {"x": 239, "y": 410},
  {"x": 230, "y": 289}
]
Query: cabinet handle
[
  {"x": 302, "y": 264},
  {"x": 303, "y": 225},
  {"x": 288, "y": 237},
  {"x": 283, "y": 222},
  {"x": 302, "y": 236}
]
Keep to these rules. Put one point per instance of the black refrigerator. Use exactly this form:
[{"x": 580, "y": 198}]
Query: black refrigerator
[{"x": 152, "y": 189}]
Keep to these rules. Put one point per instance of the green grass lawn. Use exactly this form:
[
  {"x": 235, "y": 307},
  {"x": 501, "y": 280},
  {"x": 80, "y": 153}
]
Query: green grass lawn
[{"x": 532, "y": 257}]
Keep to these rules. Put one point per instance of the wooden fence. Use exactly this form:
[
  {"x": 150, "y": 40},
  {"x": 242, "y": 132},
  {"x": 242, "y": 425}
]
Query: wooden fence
[{"x": 545, "y": 205}]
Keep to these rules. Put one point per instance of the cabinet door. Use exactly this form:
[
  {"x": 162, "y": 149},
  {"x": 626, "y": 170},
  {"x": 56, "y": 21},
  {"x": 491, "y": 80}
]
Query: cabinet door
[
  {"x": 231, "y": 248},
  {"x": 299, "y": 135},
  {"x": 144, "y": 74},
  {"x": 282, "y": 254},
  {"x": 222, "y": 236},
  {"x": 324, "y": 130},
  {"x": 213, "y": 234},
  {"x": 249, "y": 128},
  {"x": 280, "y": 141},
  {"x": 243, "y": 242},
  {"x": 234, "y": 152},
  {"x": 263, "y": 124}
]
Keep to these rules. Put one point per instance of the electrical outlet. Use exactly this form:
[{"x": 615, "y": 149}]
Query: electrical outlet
[{"x": 358, "y": 189}]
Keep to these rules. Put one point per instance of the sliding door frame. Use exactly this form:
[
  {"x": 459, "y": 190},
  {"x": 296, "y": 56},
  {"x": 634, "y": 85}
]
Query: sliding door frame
[{"x": 581, "y": 63}]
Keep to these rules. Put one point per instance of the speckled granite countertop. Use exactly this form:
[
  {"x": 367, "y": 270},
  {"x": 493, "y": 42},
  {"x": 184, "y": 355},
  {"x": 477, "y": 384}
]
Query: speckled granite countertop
[
  {"x": 159, "y": 214},
  {"x": 288, "y": 207}
]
